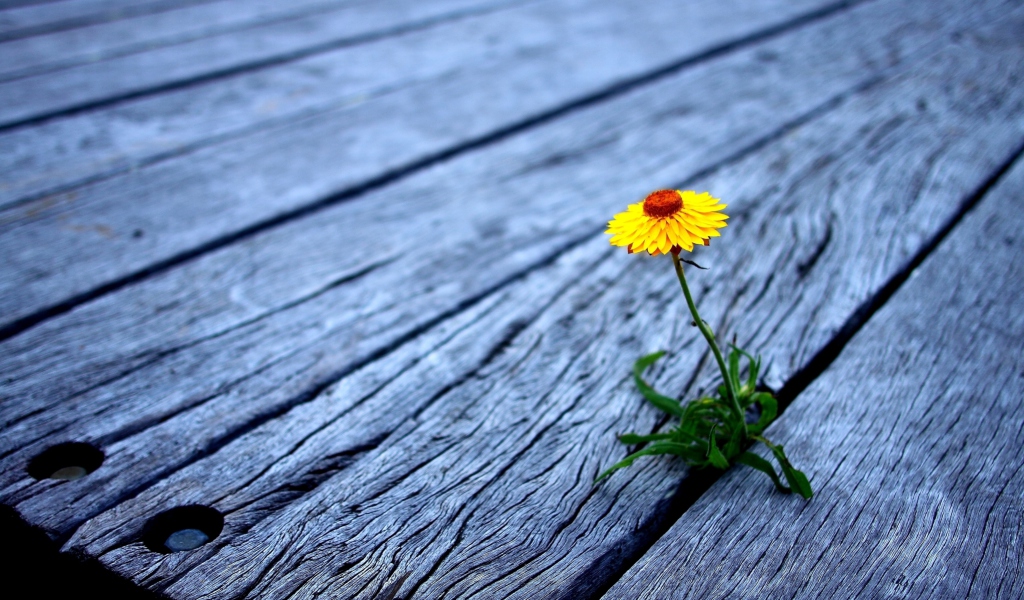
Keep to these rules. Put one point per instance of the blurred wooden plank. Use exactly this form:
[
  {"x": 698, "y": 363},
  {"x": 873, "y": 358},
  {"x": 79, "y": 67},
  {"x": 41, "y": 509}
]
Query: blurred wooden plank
[
  {"x": 26, "y": 19},
  {"x": 56, "y": 156},
  {"x": 37, "y": 163},
  {"x": 9, "y": 4},
  {"x": 464, "y": 468},
  {"x": 103, "y": 41},
  {"x": 913, "y": 442},
  {"x": 392, "y": 107},
  {"x": 34, "y": 99}
]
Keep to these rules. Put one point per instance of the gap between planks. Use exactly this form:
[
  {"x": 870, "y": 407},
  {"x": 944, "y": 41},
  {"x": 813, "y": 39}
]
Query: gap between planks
[
  {"x": 738, "y": 153},
  {"x": 48, "y": 53},
  {"x": 47, "y": 163},
  {"x": 497, "y": 133},
  {"x": 819, "y": 363},
  {"x": 826, "y": 125},
  {"x": 77, "y": 90},
  {"x": 40, "y": 18},
  {"x": 905, "y": 520}
]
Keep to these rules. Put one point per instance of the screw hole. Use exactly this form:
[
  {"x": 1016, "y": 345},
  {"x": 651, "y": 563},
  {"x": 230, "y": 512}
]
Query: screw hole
[
  {"x": 181, "y": 529},
  {"x": 66, "y": 462}
]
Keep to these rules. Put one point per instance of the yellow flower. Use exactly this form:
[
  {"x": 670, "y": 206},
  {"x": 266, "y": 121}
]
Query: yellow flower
[{"x": 668, "y": 220}]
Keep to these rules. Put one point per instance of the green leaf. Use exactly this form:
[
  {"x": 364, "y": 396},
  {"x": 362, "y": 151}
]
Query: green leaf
[
  {"x": 653, "y": 449},
  {"x": 680, "y": 434},
  {"x": 706, "y": 411},
  {"x": 769, "y": 410},
  {"x": 754, "y": 368},
  {"x": 752, "y": 460},
  {"x": 663, "y": 403},
  {"x": 714, "y": 454},
  {"x": 797, "y": 480},
  {"x": 631, "y": 439},
  {"x": 732, "y": 448},
  {"x": 734, "y": 369},
  {"x": 800, "y": 483}
]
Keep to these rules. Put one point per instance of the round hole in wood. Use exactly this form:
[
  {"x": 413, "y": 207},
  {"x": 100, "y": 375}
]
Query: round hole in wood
[
  {"x": 183, "y": 528},
  {"x": 66, "y": 462}
]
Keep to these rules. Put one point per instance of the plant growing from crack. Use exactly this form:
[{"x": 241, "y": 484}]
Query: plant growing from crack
[{"x": 712, "y": 430}]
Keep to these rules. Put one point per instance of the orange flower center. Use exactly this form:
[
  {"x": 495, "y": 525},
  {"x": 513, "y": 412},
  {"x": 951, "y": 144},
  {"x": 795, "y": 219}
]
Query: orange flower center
[{"x": 662, "y": 203}]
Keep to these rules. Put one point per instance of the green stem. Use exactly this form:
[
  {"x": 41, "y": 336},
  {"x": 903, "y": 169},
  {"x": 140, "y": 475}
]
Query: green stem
[{"x": 710, "y": 337}]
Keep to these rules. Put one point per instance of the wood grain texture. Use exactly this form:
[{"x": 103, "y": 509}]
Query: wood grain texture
[
  {"x": 103, "y": 41},
  {"x": 483, "y": 486},
  {"x": 63, "y": 246},
  {"x": 248, "y": 332},
  {"x": 8, "y": 4},
  {"x": 468, "y": 54},
  {"x": 48, "y": 95},
  {"x": 39, "y": 162},
  {"x": 913, "y": 442},
  {"x": 485, "y": 491},
  {"x": 37, "y": 18}
]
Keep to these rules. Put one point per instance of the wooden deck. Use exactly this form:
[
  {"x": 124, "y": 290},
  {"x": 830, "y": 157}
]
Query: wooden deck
[{"x": 327, "y": 280}]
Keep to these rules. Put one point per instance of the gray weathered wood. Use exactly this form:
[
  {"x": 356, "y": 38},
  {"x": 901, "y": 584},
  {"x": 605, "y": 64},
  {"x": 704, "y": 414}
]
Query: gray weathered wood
[
  {"x": 56, "y": 156},
  {"x": 913, "y": 442},
  {"x": 8, "y": 4},
  {"x": 71, "y": 244},
  {"x": 36, "y": 18},
  {"x": 577, "y": 349},
  {"x": 77, "y": 88},
  {"x": 103, "y": 41},
  {"x": 263, "y": 299},
  {"x": 53, "y": 157},
  {"x": 484, "y": 489}
]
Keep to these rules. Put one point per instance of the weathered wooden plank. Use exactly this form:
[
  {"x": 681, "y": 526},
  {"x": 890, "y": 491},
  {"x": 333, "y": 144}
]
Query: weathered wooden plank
[
  {"x": 482, "y": 489},
  {"x": 61, "y": 248},
  {"x": 56, "y": 156},
  {"x": 36, "y": 18},
  {"x": 48, "y": 95},
  {"x": 499, "y": 454},
  {"x": 8, "y": 4},
  {"x": 265, "y": 297},
  {"x": 912, "y": 439},
  {"x": 103, "y": 41}
]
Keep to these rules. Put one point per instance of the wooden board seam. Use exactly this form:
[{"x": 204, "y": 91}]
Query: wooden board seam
[
  {"x": 94, "y": 19},
  {"x": 683, "y": 500},
  {"x": 259, "y": 20},
  {"x": 284, "y": 58},
  {"x": 698, "y": 483},
  {"x": 18, "y": 326}
]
